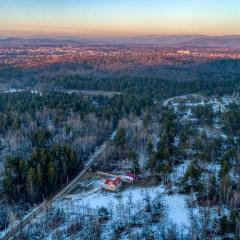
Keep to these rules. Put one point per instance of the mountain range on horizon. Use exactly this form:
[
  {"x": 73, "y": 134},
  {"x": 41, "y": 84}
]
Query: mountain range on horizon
[{"x": 232, "y": 41}]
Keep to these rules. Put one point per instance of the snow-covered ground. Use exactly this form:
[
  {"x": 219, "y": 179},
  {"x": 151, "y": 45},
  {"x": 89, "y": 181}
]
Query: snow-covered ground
[
  {"x": 175, "y": 204},
  {"x": 183, "y": 105},
  {"x": 131, "y": 198},
  {"x": 177, "y": 210},
  {"x": 15, "y": 90},
  {"x": 110, "y": 199}
]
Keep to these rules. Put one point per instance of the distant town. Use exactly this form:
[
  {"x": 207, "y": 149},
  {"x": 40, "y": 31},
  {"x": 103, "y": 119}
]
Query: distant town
[{"x": 31, "y": 56}]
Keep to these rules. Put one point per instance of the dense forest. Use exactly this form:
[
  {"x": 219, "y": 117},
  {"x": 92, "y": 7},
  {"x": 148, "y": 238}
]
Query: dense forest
[
  {"x": 34, "y": 178},
  {"x": 162, "y": 81},
  {"x": 157, "y": 88},
  {"x": 58, "y": 132},
  {"x": 213, "y": 77}
]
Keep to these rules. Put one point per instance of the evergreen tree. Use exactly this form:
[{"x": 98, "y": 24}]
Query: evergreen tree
[
  {"x": 30, "y": 184},
  {"x": 52, "y": 176}
]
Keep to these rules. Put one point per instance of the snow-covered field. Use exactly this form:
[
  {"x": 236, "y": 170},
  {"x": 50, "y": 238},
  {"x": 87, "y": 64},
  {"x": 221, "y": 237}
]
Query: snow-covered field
[
  {"x": 112, "y": 201},
  {"x": 177, "y": 210},
  {"x": 130, "y": 201},
  {"x": 175, "y": 204}
]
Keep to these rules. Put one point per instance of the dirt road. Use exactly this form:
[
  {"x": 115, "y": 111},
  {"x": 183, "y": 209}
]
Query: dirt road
[{"x": 36, "y": 211}]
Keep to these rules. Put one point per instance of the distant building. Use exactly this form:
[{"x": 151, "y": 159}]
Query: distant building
[
  {"x": 184, "y": 52},
  {"x": 113, "y": 184}
]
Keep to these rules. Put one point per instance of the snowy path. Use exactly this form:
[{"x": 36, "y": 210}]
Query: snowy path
[{"x": 82, "y": 195}]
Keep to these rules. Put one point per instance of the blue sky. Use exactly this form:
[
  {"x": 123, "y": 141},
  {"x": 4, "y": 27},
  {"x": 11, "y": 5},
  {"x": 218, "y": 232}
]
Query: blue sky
[{"x": 122, "y": 17}]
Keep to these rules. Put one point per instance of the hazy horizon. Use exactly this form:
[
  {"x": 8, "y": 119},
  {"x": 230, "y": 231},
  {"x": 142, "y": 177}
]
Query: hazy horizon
[
  {"x": 69, "y": 36},
  {"x": 118, "y": 19}
]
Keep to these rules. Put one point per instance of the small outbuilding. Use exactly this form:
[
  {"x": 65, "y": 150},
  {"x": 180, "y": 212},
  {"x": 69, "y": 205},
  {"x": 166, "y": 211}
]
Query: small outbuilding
[
  {"x": 129, "y": 177},
  {"x": 132, "y": 175}
]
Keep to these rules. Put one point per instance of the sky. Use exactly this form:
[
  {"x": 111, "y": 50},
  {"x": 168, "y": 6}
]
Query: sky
[{"x": 119, "y": 17}]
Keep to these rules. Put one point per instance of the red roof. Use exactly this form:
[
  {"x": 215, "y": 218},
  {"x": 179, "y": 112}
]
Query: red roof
[
  {"x": 116, "y": 181},
  {"x": 108, "y": 181},
  {"x": 132, "y": 175}
]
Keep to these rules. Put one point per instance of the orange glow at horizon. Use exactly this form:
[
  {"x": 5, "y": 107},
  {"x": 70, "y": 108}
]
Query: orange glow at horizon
[{"x": 125, "y": 18}]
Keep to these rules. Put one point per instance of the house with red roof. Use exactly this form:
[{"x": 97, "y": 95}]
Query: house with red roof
[{"x": 113, "y": 184}]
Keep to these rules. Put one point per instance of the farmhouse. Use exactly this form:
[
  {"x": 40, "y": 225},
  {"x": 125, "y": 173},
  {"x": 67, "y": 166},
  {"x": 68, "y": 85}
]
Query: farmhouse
[{"x": 113, "y": 185}]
